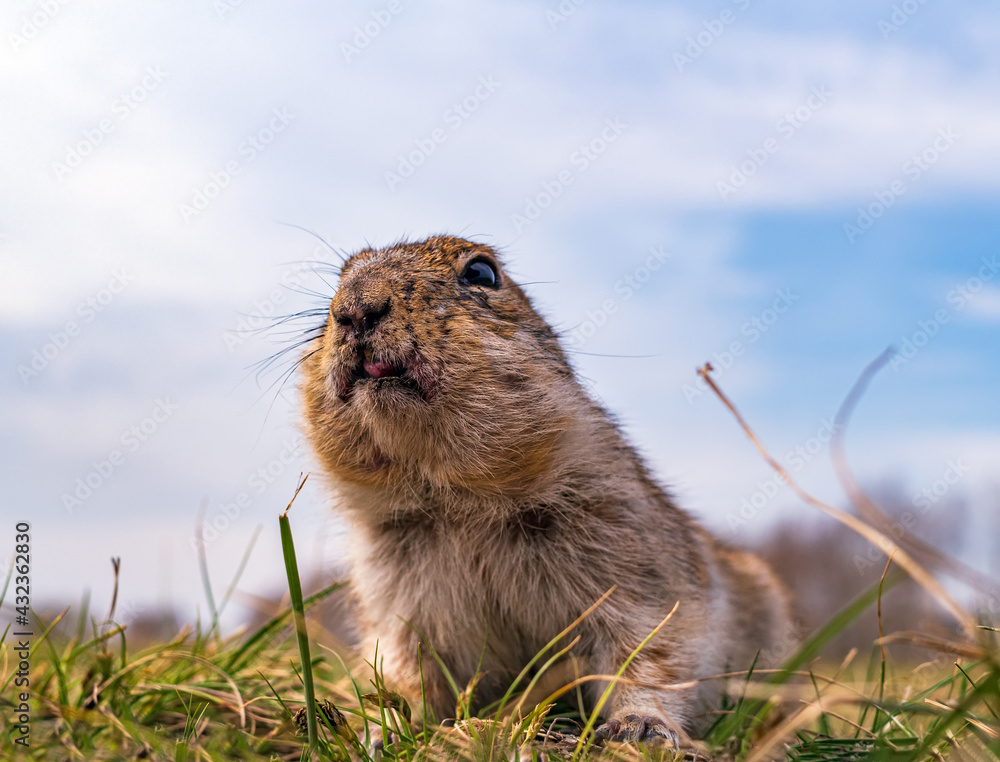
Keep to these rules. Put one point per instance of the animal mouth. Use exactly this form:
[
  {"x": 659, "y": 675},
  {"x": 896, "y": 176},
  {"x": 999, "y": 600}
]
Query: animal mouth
[
  {"x": 380, "y": 369},
  {"x": 380, "y": 374}
]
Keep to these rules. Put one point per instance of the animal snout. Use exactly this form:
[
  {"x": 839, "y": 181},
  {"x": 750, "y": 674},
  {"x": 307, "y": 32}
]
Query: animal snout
[{"x": 362, "y": 315}]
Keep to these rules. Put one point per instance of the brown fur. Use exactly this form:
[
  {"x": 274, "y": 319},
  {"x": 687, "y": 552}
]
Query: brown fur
[{"x": 492, "y": 500}]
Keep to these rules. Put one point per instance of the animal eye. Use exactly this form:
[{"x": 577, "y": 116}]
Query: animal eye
[{"x": 479, "y": 272}]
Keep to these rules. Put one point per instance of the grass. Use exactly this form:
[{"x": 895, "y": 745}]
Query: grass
[
  {"x": 201, "y": 696},
  {"x": 268, "y": 695}
]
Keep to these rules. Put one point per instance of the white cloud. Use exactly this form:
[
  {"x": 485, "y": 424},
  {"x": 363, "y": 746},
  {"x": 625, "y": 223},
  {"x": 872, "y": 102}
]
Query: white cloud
[
  {"x": 686, "y": 129},
  {"x": 352, "y": 120},
  {"x": 986, "y": 304}
]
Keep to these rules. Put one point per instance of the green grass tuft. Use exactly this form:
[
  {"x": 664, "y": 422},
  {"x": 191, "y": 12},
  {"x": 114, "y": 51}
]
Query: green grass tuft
[
  {"x": 266, "y": 695},
  {"x": 205, "y": 697}
]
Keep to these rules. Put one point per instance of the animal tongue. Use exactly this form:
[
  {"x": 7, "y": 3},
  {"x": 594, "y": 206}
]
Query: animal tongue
[{"x": 380, "y": 368}]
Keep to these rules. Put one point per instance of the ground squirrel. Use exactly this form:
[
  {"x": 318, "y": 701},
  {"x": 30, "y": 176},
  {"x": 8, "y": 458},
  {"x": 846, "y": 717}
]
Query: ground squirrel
[{"x": 491, "y": 500}]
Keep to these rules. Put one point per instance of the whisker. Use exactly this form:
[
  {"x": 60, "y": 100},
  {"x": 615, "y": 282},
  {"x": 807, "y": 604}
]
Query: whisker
[
  {"x": 312, "y": 312},
  {"x": 275, "y": 322},
  {"x": 532, "y": 283},
  {"x": 281, "y": 380},
  {"x": 315, "y": 235},
  {"x": 314, "y": 264},
  {"x": 259, "y": 368},
  {"x": 623, "y": 357},
  {"x": 311, "y": 292}
]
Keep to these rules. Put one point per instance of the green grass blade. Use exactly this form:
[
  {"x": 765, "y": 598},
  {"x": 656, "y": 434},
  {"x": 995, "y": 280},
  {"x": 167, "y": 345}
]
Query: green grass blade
[
  {"x": 733, "y": 725},
  {"x": 203, "y": 569},
  {"x": 592, "y": 720},
  {"x": 548, "y": 646},
  {"x": 839, "y": 622},
  {"x": 239, "y": 573},
  {"x": 957, "y": 714},
  {"x": 242, "y": 655},
  {"x": 299, "y": 615},
  {"x": 6, "y": 582}
]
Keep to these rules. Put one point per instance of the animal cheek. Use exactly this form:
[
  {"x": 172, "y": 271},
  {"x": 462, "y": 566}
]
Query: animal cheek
[
  {"x": 422, "y": 333},
  {"x": 396, "y": 333}
]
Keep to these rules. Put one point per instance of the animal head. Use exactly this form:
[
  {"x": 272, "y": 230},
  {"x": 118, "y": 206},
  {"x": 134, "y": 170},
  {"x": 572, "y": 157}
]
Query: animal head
[{"x": 434, "y": 365}]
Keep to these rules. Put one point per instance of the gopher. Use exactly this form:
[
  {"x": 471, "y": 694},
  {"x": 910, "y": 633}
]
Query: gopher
[{"x": 491, "y": 501}]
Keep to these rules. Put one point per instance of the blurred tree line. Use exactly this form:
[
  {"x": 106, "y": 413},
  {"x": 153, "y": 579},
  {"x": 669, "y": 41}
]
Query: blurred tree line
[{"x": 826, "y": 565}]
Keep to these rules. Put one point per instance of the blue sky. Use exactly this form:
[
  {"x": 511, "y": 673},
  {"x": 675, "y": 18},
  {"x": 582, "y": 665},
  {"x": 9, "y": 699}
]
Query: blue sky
[{"x": 150, "y": 153}]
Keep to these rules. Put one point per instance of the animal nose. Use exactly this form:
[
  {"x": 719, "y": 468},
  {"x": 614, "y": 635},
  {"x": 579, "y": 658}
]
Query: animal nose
[{"x": 362, "y": 316}]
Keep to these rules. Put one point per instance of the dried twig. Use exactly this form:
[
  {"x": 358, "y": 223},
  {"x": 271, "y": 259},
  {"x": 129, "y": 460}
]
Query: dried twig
[
  {"x": 877, "y": 538},
  {"x": 870, "y": 512}
]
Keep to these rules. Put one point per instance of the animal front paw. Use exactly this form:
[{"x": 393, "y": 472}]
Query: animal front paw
[{"x": 633, "y": 727}]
